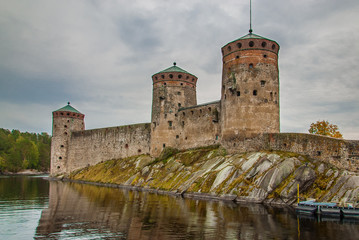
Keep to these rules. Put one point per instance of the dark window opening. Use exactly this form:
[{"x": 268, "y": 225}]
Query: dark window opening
[
  {"x": 164, "y": 145},
  {"x": 185, "y": 138},
  {"x": 180, "y": 76},
  {"x": 237, "y": 56},
  {"x": 225, "y": 96},
  {"x": 184, "y": 114},
  {"x": 285, "y": 145},
  {"x": 264, "y": 44},
  {"x": 187, "y": 77},
  {"x": 254, "y": 92},
  {"x": 251, "y": 65},
  {"x": 192, "y": 112},
  {"x": 182, "y": 123},
  {"x": 181, "y": 84},
  {"x": 165, "y": 84},
  {"x": 177, "y": 136},
  {"x": 216, "y": 137},
  {"x": 239, "y": 45},
  {"x": 165, "y": 115},
  {"x": 60, "y": 157},
  {"x": 229, "y": 48},
  {"x": 65, "y": 126},
  {"x": 139, "y": 150},
  {"x": 156, "y": 78},
  {"x": 62, "y": 114},
  {"x": 68, "y": 120},
  {"x": 126, "y": 145},
  {"x": 263, "y": 83},
  {"x": 58, "y": 167},
  {"x": 200, "y": 111},
  {"x": 154, "y": 124},
  {"x": 176, "y": 115},
  {"x": 179, "y": 105},
  {"x": 265, "y": 55},
  {"x": 251, "y": 44},
  {"x": 209, "y": 109},
  {"x": 68, "y": 114},
  {"x": 178, "y": 93},
  {"x": 170, "y": 123},
  {"x": 171, "y": 75},
  {"x": 162, "y": 76},
  {"x": 65, "y": 133},
  {"x": 192, "y": 79},
  {"x": 62, "y": 146},
  {"x": 273, "y": 46},
  {"x": 238, "y": 93},
  {"x": 319, "y": 153}
]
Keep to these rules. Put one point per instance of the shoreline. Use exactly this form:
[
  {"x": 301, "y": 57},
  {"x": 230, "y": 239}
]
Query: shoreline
[
  {"x": 27, "y": 172},
  {"x": 196, "y": 195}
]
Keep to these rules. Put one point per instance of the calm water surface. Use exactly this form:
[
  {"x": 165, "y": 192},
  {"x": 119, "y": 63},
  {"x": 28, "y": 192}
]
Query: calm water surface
[{"x": 32, "y": 207}]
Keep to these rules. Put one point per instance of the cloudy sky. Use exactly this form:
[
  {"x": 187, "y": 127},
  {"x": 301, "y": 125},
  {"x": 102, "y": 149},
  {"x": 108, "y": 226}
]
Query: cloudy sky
[{"x": 100, "y": 55}]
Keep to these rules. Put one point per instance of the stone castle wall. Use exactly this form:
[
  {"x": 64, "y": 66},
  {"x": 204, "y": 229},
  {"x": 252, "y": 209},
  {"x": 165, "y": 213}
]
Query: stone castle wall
[
  {"x": 90, "y": 147},
  {"x": 343, "y": 154}
]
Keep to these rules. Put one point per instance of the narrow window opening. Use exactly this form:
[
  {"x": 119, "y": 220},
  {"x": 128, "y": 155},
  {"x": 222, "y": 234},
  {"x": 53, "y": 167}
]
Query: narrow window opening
[
  {"x": 184, "y": 114},
  {"x": 264, "y": 44},
  {"x": 238, "y": 93},
  {"x": 162, "y": 76},
  {"x": 254, "y": 92},
  {"x": 200, "y": 111},
  {"x": 273, "y": 46},
  {"x": 263, "y": 83},
  {"x": 139, "y": 150},
  {"x": 216, "y": 137},
  {"x": 192, "y": 112},
  {"x": 60, "y": 157},
  {"x": 229, "y": 48},
  {"x": 165, "y": 115},
  {"x": 165, "y": 84},
  {"x": 171, "y": 75},
  {"x": 58, "y": 167},
  {"x": 179, "y": 105},
  {"x": 237, "y": 57},
  {"x": 319, "y": 153},
  {"x": 170, "y": 123},
  {"x": 225, "y": 96},
  {"x": 251, "y": 44},
  {"x": 209, "y": 109},
  {"x": 178, "y": 93},
  {"x": 62, "y": 146},
  {"x": 181, "y": 84},
  {"x": 68, "y": 114},
  {"x": 251, "y": 65},
  {"x": 239, "y": 45},
  {"x": 126, "y": 145},
  {"x": 164, "y": 145},
  {"x": 65, "y": 126},
  {"x": 182, "y": 123},
  {"x": 265, "y": 55},
  {"x": 177, "y": 136},
  {"x": 180, "y": 76},
  {"x": 285, "y": 145}
]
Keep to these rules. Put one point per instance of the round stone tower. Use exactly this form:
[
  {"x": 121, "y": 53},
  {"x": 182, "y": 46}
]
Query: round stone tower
[
  {"x": 250, "y": 88},
  {"x": 64, "y": 121},
  {"x": 173, "y": 88}
]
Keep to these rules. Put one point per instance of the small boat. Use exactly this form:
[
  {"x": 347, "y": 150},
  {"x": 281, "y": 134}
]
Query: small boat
[
  {"x": 350, "y": 212},
  {"x": 330, "y": 210}
]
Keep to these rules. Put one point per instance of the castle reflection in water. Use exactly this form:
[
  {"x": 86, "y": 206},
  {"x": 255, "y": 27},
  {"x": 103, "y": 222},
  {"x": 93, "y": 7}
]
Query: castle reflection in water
[{"x": 92, "y": 212}]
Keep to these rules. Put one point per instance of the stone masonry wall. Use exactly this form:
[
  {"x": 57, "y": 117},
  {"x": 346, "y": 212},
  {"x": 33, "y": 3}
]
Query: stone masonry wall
[
  {"x": 90, "y": 147},
  {"x": 343, "y": 154}
]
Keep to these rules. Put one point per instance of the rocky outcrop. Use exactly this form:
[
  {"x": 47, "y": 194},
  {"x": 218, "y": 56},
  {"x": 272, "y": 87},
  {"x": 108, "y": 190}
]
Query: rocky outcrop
[{"x": 270, "y": 177}]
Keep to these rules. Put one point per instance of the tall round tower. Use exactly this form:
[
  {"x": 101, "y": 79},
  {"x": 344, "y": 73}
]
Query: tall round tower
[
  {"x": 250, "y": 87},
  {"x": 173, "y": 88},
  {"x": 64, "y": 121}
]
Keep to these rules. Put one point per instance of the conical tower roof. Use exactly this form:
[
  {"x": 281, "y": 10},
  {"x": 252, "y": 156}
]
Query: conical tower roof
[
  {"x": 174, "y": 68},
  {"x": 68, "y": 108}
]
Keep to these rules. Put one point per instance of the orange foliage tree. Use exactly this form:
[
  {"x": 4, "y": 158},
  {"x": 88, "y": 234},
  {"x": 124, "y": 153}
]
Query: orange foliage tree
[{"x": 325, "y": 128}]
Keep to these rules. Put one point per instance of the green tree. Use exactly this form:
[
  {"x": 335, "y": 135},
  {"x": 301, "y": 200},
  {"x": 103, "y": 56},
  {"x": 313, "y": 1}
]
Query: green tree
[{"x": 325, "y": 128}]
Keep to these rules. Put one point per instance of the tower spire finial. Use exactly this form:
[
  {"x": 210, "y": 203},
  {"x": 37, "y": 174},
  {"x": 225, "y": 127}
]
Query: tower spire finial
[{"x": 250, "y": 17}]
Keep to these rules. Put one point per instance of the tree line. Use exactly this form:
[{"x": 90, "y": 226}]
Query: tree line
[{"x": 25, "y": 150}]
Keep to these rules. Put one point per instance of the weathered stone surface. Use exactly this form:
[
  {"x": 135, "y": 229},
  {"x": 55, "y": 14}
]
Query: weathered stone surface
[{"x": 266, "y": 177}]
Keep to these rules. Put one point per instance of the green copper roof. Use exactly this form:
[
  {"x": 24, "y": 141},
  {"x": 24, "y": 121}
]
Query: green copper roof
[
  {"x": 252, "y": 36},
  {"x": 174, "y": 68},
  {"x": 68, "y": 108}
]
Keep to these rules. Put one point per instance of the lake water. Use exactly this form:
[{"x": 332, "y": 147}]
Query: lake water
[{"x": 32, "y": 207}]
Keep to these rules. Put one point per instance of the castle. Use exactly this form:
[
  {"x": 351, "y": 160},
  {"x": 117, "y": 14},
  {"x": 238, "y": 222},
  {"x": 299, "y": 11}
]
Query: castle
[{"x": 246, "y": 118}]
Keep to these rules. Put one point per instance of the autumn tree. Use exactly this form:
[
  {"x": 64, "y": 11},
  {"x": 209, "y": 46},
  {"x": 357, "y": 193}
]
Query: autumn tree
[{"x": 325, "y": 128}]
